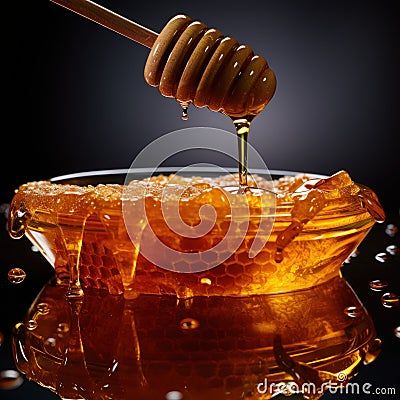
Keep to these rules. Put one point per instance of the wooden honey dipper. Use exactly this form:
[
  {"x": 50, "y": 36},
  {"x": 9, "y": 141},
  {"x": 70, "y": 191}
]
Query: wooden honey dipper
[{"x": 194, "y": 64}]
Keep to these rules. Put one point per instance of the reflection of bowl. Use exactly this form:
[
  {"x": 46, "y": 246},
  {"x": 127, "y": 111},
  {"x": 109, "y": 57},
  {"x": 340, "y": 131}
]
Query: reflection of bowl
[
  {"x": 105, "y": 347},
  {"x": 314, "y": 230}
]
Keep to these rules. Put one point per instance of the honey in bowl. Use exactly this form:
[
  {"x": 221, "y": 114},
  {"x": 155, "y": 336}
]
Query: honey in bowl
[{"x": 313, "y": 225}]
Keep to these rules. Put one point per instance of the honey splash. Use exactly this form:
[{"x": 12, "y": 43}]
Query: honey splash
[{"x": 217, "y": 348}]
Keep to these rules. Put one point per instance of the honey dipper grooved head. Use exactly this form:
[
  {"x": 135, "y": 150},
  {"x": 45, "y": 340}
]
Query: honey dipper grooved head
[{"x": 193, "y": 63}]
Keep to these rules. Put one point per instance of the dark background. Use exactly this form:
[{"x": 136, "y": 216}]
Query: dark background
[{"x": 75, "y": 100}]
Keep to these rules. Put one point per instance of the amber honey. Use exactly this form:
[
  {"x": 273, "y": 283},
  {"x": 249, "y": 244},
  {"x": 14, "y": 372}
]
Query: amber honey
[{"x": 314, "y": 224}]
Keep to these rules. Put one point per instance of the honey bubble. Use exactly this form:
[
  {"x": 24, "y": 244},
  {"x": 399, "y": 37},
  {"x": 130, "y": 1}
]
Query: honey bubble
[
  {"x": 189, "y": 323},
  {"x": 31, "y": 325},
  {"x": 390, "y": 300},
  {"x": 10, "y": 379},
  {"x": 397, "y": 331},
  {"x": 353, "y": 311},
  {"x": 393, "y": 249},
  {"x": 174, "y": 395},
  {"x": 382, "y": 257},
  {"x": 378, "y": 285},
  {"x": 16, "y": 275}
]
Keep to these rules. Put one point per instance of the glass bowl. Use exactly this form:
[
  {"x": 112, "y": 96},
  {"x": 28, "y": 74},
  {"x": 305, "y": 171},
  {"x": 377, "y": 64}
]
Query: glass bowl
[{"x": 93, "y": 231}]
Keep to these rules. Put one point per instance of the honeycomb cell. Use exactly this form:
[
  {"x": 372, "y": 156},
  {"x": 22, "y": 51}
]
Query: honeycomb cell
[
  {"x": 242, "y": 257},
  {"x": 234, "y": 269},
  {"x": 225, "y": 281}
]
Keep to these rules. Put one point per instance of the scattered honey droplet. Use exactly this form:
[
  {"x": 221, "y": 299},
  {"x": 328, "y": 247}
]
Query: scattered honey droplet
[
  {"x": 390, "y": 300},
  {"x": 391, "y": 230},
  {"x": 355, "y": 253},
  {"x": 43, "y": 308},
  {"x": 174, "y": 395},
  {"x": 373, "y": 351},
  {"x": 4, "y": 208},
  {"x": 397, "y": 331},
  {"x": 189, "y": 323},
  {"x": 378, "y": 285},
  {"x": 205, "y": 281},
  {"x": 16, "y": 275},
  {"x": 393, "y": 249},
  {"x": 382, "y": 257},
  {"x": 50, "y": 342},
  {"x": 353, "y": 311},
  {"x": 35, "y": 249},
  {"x": 31, "y": 325},
  {"x": 10, "y": 379},
  {"x": 62, "y": 328}
]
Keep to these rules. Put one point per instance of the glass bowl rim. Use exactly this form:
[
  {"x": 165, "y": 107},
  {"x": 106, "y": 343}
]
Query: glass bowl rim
[{"x": 148, "y": 170}]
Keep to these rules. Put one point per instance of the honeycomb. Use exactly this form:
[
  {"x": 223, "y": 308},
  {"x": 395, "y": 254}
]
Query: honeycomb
[{"x": 143, "y": 238}]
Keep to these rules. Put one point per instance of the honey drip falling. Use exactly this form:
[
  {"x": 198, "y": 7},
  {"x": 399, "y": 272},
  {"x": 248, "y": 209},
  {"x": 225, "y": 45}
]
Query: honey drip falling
[{"x": 242, "y": 127}]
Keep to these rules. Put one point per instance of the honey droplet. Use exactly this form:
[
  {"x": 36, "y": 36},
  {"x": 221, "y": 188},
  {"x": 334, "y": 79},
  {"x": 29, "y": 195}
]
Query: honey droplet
[
  {"x": 391, "y": 230},
  {"x": 1, "y": 338},
  {"x": 4, "y": 208},
  {"x": 62, "y": 328},
  {"x": 16, "y": 275},
  {"x": 354, "y": 254},
  {"x": 50, "y": 342},
  {"x": 393, "y": 249},
  {"x": 390, "y": 300},
  {"x": 185, "y": 115},
  {"x": 189, "y": 323},
  {"x": 31, "y": 325},
  {"x": 382, "y": 257},
  {"x": 205, "y": 281},
  {"x": 174, "y": 395},
  {"x": 43, "y": 308},
  {"x": 378, "y": 285},
  {"x": 353, "y": 311},
  {"x": 397, "y": 331},
  {"x": 10, "y": 379},
  {"x": 184, "y": 105}
]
